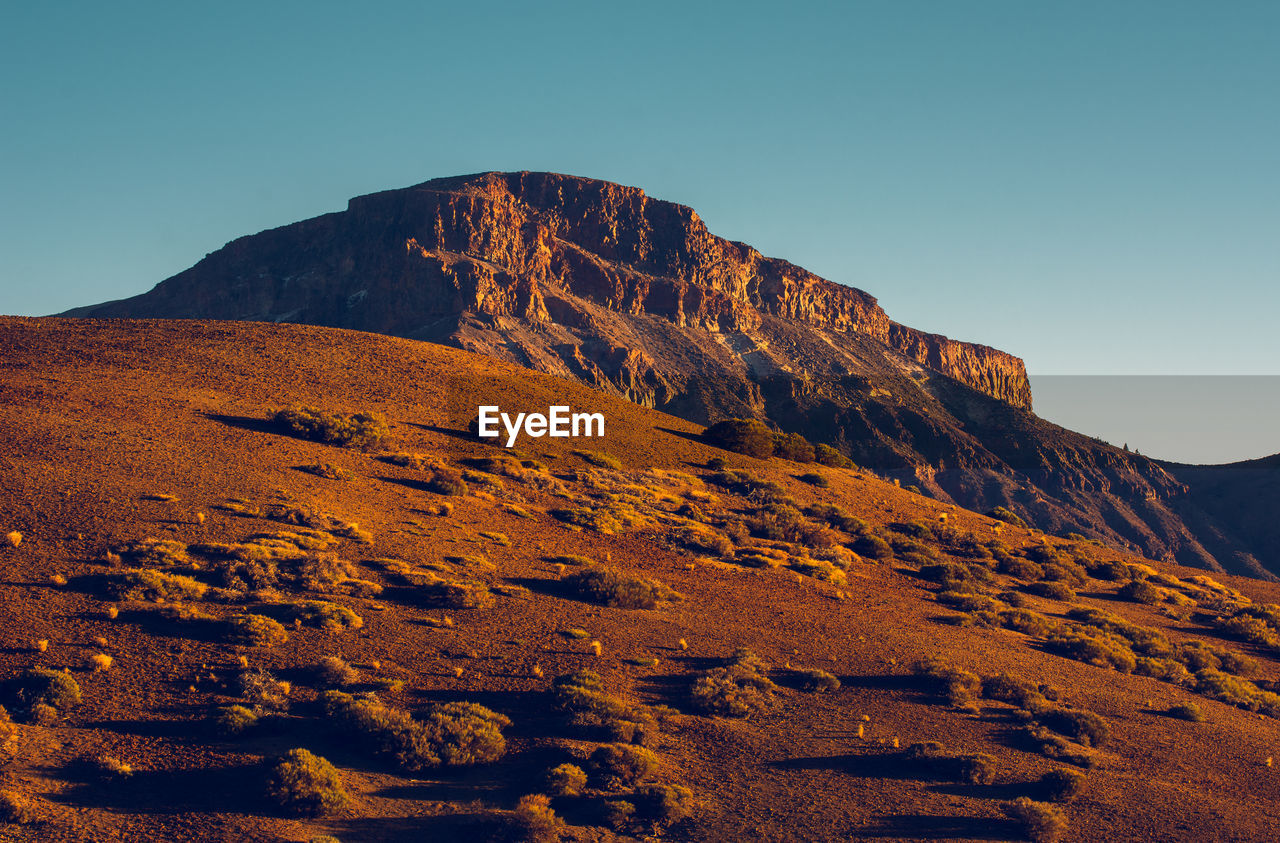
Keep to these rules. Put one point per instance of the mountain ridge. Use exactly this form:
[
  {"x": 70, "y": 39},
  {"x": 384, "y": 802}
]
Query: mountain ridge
[{"x": 635, "y": 297}]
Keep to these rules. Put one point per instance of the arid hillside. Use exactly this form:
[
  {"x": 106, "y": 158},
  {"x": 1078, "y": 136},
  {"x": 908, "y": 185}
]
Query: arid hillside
[
  {"x": 636, "y": 636},
  {"x": 633, "y": 296}
]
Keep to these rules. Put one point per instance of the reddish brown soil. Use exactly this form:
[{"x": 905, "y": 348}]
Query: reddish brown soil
[{"x": 96, "y": 416}]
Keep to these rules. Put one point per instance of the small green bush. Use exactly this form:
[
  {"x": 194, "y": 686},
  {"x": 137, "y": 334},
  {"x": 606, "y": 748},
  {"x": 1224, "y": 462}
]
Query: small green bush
[
  {"x": 1062, "y": 784},
  {"x": 1097, "y": 648},
  {"x": 445, "y": 480},
  {"x": 329, "y": 471},
  {"x": 1140, "y": 591},
  {"x": 610, "y": 587},
  {"x": 1040, "y": 822},
  {"x": 1186, "y": 711},
  {"x": 582, "y": 696},
  {"x": 357, "y": 430},
  {"x": 330, "y": 617},
  {"x": 459, "y": 594},
  {"x": 828, "y": 456},
  {"x": 872, "y": 547},
  {"x": 1015, "y": 691},
  {"x": 739, "y": 688},
  {"x": 234, "y": 720},
  {"x": 815, "y": 680},
  {"x": 617, "y": 766},
  {"x": 1001, "y": 513},
  {"x": 304, "y": 783},
  {"x": 1084, "y": 727},
  {"x": 40, "y": 686},
  {"x": 567, "y": 780},
  {"x": 150, "y": 584},
  {"x": 600, "y": 459},
  {"x": 535, "y": 821},
  {"x": 958, "y": 687},
  {"x": 792, "y": 446},
  {"x": 453, "y": 734},
  {"x": 333, "y": 672},
  {"x": 254, "y": 630},
  {"x": 815, "y": 479},
  {"x": 664, "y": 804},
  {"x": 743, "y": 436},
  {"x": 1052, "y": 590}
]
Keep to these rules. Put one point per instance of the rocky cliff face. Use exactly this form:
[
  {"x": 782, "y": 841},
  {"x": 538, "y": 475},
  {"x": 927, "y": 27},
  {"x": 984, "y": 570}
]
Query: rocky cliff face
[
  {"x": 599, "y": 282},
  {"x": 550, "y": 251}
]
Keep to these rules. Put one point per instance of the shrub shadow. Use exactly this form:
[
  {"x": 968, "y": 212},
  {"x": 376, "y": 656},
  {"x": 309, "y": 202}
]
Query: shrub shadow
[{"x": 941, "y": 828}]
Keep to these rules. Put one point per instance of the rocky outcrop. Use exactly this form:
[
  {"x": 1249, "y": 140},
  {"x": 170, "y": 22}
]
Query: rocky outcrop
[{"x": 540, "y": 248}]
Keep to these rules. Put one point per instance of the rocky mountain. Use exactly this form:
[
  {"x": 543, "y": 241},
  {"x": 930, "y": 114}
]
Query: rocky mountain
[{"x": 634, "y": 296}]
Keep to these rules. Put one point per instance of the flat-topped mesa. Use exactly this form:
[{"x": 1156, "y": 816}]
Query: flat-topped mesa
[
  {"x": 540, "y": 248},
  {"x": 615, "y": 246}
]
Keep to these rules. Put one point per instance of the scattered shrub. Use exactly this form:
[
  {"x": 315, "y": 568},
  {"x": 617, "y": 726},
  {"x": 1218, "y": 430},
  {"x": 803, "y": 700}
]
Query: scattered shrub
[
  {"x": 1084, "y": 727},
  {"x": 781, "y": 522},
  {"x": 330, "y": 617},
  {"x": 958, "y": 687},
  {"x": 600, "y": 459},
  {"x": 1140, "y": 591},
  {"x": 459, "y": 594},
  {"x": 150, "y": 584},
  {"x": 567, "y": 780},
  {"x": 234, "y": 720},
  {"x": 1052, "y": 590},
  {"x": 1040, "y": 822},
  {"x": 815, "y": 680},
  {"x": 357, "y": 430},
  {"x": 828, "y": 456},
  {"x": 582, "y": 696},
  {"x": 304, "y": 783},
  {"x": 618, "y": 813},
  {"x": 663, "y": 803},
  {"x": 453, "y": 734},
  {"x": 1186, "y": 711},
  {"x": 40, "y": 686},
  {"x": 108, "y": 768},
  {"x": 872, "y": 547},
  {"x": 1165, "y": 669},
  {"x": 261, "y": 690},
  {"x": 737, "y": 689},
  {"x": 535, "y": 821},
  {"x": 1001, "y": 513},
  {"x": 743, "y": 436},
  {"x": 1062, "y": 784},
  {"x": 792, "y": 446},
  {"x": 335, "y": 673},
  {"x": 328, "y": 471},
  {"x": 621, "y": 765},
  {"x": 1235, "y": 691},
  {"x": 255, "y": 630},
  {"x": 610, "y": 587},
  {"x": 445, "y": 480},
  {"x": 1019, "y": 692},
  {"x": 1098, "y": 648}
]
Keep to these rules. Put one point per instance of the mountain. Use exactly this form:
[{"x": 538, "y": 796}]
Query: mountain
[
  {"x": 631, "y": 295},
  {"x": 222, "y": 589}
]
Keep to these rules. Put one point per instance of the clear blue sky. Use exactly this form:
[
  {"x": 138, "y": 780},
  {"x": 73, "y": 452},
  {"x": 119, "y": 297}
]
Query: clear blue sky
[{"x": 1094, "y": 186}]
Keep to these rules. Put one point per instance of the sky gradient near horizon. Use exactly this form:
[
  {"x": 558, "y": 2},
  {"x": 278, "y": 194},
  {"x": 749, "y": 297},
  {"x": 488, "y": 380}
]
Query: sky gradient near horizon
[{"x": 1093, "y": 186}]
